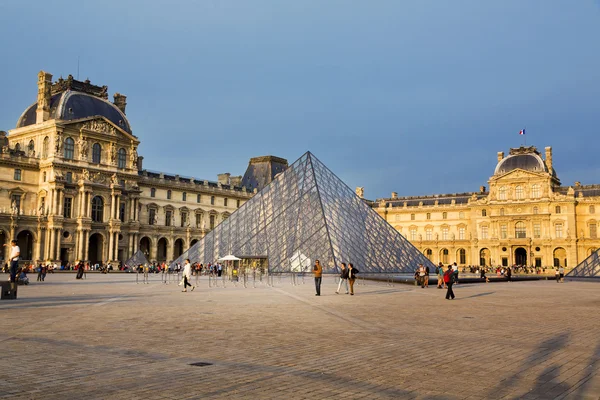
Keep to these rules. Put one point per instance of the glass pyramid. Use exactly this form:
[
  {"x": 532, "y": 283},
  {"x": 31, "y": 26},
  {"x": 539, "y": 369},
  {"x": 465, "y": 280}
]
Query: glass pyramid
[
  {"x": 588, "y": 268},
  {"x": 307, "y": 213},
  {"x": 136, "y": 259}
]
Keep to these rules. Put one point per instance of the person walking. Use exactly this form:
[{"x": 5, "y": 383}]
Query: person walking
[
  {"x": 318, "y": 271},
  {"x": 352, "y": 277},
  {"x": 557, "y": 275},
  {"x": 455, "y": 273},
  {"x": 561, "y": 271},
  {"x": 343, "y": 278},
  {"x": 187, "y": 276},
  {"x": 508, "y": 274},
  {"x": 15, "y": 253},
  {"x": 39, "y": 277},
  {"x": 427, "y": 276},
  {"x": 146, "y": 272},
  {"x": 482, "y": 275},
  {"x": 448, "y": 275},
  {"x": 440, "y": 276},
  {"x": 421, "y": 276}
]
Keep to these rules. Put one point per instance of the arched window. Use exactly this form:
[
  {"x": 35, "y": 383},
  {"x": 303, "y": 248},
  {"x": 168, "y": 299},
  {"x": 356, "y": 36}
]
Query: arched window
[
  {"x": 520, "y": 230},
  {"x": 519, "y": 193},
  {"x": 557, "y": 209},
  {"x": 31, "y": 146},
  {"x": 462, "y": 256},
  {"x": 96, "y": 153},
  {"x": 45, "y": 145},
  {"x": 152, "y": 192},
  {"x": 18, "y": 147},
  {"x": 444, "y": 256},
  {"x": 69, "y": 148},
  {"x": 502, "y": 193},
  {"x": 592, "y": 210},
  {"x": 168, "y": 194},
  {"x": 429, "y": 254},
  {"x": 535, "y": 191},
  {"x": 97, "y": 209},
  {"x": 122, "y": 158}
]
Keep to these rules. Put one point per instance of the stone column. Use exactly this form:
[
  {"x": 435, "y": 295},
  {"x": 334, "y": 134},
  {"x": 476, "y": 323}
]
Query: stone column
[
  {"x": 58, "y": 241},
  {"x": 38, "y": 243},
  {"x": 86, "y": 245},
  {"x": 170, "y": 248},
  {"x": 136, "y": 242},
  {"x": 47, "y": 243},
  {"x": 61, "y": 202},
  {"x": 112, "y": 206},
  {"x": 153, "y": 249},
  {"x": 51, "y": 251},
  {"x": 110, "y": 244}
]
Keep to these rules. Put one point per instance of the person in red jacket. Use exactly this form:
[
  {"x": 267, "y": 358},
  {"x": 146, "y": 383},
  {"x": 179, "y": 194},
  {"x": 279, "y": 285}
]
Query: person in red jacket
[{"x": 448, "y": 281}]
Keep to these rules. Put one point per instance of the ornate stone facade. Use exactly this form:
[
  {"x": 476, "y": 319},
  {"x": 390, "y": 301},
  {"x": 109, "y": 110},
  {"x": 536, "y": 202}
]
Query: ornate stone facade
[
  {"x": 72, "y": 185},
  {"x": 526, "y": 217}
]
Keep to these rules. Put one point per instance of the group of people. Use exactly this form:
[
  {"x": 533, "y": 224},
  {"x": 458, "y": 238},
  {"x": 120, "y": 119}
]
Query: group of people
[{"x": 348, "y": 275}]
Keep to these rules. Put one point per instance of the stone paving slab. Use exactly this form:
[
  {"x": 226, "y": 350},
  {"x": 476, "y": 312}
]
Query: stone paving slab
[{"x": 108, "y": 337}]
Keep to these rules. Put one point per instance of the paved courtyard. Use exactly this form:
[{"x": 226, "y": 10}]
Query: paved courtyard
[{"x": 107, "y": 337}]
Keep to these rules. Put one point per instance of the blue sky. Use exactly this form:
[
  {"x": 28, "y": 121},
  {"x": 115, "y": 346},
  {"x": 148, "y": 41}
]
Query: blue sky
[{"x": 415, "y": 97}]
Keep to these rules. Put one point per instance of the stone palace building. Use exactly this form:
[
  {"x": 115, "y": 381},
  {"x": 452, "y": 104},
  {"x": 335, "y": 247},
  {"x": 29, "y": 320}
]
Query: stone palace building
[
  {"x": 525, "y": 217},
  {"x": 72, "y": 186}
]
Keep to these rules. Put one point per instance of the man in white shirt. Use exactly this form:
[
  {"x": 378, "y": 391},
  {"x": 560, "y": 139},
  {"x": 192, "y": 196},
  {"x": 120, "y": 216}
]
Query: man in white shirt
[
  {"x": 187, "y": 276},
  {"x": 15, "y": 252}
]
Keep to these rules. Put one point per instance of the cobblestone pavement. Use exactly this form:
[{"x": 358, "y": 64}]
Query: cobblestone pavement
[{"x": 107, "y": 337}]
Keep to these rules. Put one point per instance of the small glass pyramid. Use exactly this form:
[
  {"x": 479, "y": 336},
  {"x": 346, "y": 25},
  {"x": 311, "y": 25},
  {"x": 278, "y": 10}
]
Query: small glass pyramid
[
  {"x": 588, "y": 268},
  {"x": 136, "y": 259},
  {"x": 307, "y": 213}
]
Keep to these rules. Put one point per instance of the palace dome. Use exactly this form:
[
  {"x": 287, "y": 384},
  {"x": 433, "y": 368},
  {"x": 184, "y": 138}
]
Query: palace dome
[
  {"x": 71, "y": 99},
  {"x": 527, "y": 159}
]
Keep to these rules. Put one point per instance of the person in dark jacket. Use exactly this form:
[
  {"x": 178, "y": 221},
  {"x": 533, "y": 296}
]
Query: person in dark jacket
[
  {"x": 343, "y": 278},
  {"x": 352, "y": 277},
  {"x": 448, "y": 275}
]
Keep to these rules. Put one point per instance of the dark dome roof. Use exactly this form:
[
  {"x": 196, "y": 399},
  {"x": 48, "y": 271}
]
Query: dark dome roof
[
  {"x": 70, "y": 105},
  {"x": 528, "y": 162}
]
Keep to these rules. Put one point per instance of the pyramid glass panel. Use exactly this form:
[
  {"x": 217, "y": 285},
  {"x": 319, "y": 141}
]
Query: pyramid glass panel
[
  {"x": 588, "y": 268},
  {"x": 137, "y": 259},
  {"x": 308, "y": 213}
]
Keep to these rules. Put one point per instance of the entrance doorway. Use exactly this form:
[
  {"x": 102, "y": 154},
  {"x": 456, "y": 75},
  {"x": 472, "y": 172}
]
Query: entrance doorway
[
  {"x": 520, "y": 256},
  {"x": 64, "y": 256},
  {"x": 161, "y": 250},
  {"x": 484, "y": 257},
  {"x": 95, "y": 248},
  {"x": 560, "y": 257},
  {"x": 25, "y": 243}
]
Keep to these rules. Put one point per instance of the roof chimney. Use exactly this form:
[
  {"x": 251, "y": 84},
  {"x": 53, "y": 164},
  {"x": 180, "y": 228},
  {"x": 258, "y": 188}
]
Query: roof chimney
[
  {"x": 549, "y": 158},
  {"x": 360, "y": 192},
  {"x": 44, "y": 96},
  {"x": 394, "y": 195},
  {"x": 482, "y": 189},
  {"x": 500, "y": 156},
  {"x": 223, "y": 179},
  {"x": 120, "y": 101}
]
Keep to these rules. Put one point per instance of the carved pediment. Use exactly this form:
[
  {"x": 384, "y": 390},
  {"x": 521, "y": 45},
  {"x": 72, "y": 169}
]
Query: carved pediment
[
  {"x": 519, "y": 174},
  {"x": 99, "y": 125}
]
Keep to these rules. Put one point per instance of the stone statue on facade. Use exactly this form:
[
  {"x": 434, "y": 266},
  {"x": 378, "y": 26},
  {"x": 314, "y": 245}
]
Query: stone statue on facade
[
  {"x": 113, "y": 153},
  {"x": 114, "y": 179},
  {"x": 85, "y": 175},
  {"x": 83, "y": 147},
  {"x": 58, "y": 143},
  {"x": 360, "y": 192},
  {"x": 133, "y": 157},
  {"x": 13, "y": 208}
]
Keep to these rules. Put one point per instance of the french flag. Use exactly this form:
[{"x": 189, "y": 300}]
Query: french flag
[{"x": 522, "y": 132}]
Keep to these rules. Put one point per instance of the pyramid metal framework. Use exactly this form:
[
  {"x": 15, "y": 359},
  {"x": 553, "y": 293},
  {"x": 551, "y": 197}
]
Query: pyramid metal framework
[
  {"x": 137, "y": 259},
  {"x": 307, "y": 213},
  {"x": 588, "y": 268}
]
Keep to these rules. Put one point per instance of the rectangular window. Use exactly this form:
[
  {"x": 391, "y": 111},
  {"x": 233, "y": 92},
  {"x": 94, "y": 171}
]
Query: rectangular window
[
  {"x": 461, "y": 233},
  {"x": 168, "y": 217},
  {"x": 17, "y": 174},
  {"x": 444, "y": 215},
  {"x": 538, "y": 262},
  {"x": 225, "y": 202},
  {"x": 461, "y": 215},
  {"x": 152, "y": 192},
  {"x": 412, "y": 217},
  {"x": 445, "y": 233},
  {"x": 537, "y": 230},
  {"x": 593, "y": 231},
  {"x": 152, "y": 216},
  {"x": 44, "y": 176},
  {"x": 397, "y": 217},
  {"x": 198, "y": 198},
  {"x": 67, "y": 207},
  {"x": 212, "y": 221},
  {"x": 428, "y": 234},
  {"x": 184, "y": 219},
  {"x": 504, "y": 261},
  {"x": 558, "y": 228},
  {"x": 198, "y": 220},
  {"x": 238, "y": 203},
  {"x": 212, "y": 200},
  {"x": 184, "y": 196},
  {"x": 503, "y": 232},
  {"x": 122, "y": 212},
  {"x": 413, "y": 234},
  {"x": 69, "y": 177},
  {"x": 428, "y": 215},
  {"x": 484, "y": 232}
]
